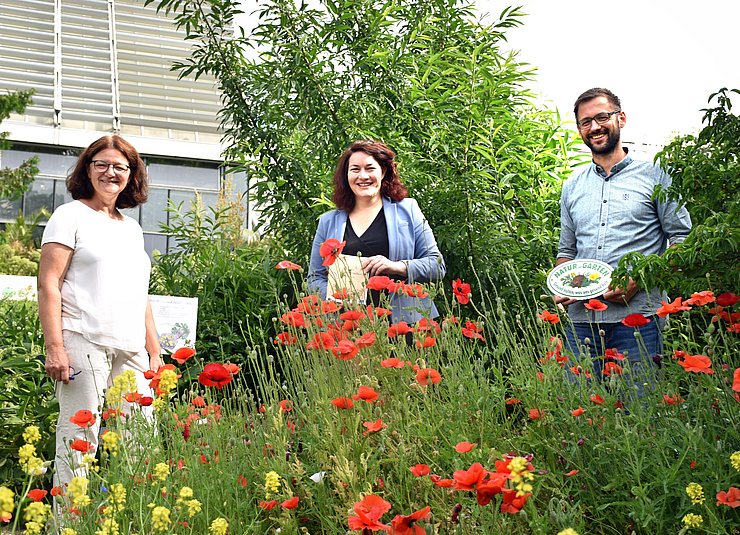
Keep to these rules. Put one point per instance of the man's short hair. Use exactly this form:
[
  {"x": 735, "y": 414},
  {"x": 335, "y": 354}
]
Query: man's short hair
[{"x": 597, "y": 92}]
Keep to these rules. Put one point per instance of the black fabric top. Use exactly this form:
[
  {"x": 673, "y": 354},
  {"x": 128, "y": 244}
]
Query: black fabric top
[{"x": 374, "y": 241}]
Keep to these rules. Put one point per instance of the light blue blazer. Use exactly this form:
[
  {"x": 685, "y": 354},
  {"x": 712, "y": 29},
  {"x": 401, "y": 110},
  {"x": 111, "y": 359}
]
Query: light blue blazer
[{"x": 409, "y": 238}]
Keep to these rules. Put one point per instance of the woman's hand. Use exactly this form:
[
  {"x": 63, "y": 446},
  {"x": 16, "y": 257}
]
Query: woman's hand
[
  {"x": 380, "y": 265},
  {"x": 155, "y": 362},
  {"x": 57, "y": 364}
]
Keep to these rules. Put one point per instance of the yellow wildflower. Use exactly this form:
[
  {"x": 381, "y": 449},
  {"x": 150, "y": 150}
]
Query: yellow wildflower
[
  {"x": 568, "y": 531},
  {"x": 194, "y": 507},
  {"x": 219, "y": 527},
  {"x": 159, "y": 404},
  {"x": 692, "y": 521},
  {"x": 161, "y": 519},
  {"x": 696, "y": 493},
  {"x": 31, "y": 434},
  {"x": 111, "y": 441},
  {"x": 520, "y": 475},
  {"x": 7, "y": 504},
  {"x": 735, "y": 460},
  {"x": 117, "y": 497},
  {"x": 108, "y": 526},
  {"x": 35, "y": 516},
  {"x": 68, "y": 531},
  {"x": 77, "y": 492},
  {"x": 185, "y": 494},
  {"x": 167, "y": 380},
  {"x": 272, "y": 484},
  {"x": 161, "y": 471}
]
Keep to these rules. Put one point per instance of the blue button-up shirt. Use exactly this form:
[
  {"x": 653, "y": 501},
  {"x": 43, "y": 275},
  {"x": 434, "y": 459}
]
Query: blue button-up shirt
[{"x": 604, "y": 217}]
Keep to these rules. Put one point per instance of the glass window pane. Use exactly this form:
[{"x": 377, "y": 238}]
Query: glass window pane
[
  {"x": 9, "y": 209},
  {"x": 154, "y": 242},
  {"x": 181, "y": 175},
  {"x": 185, "y": 197},
  {"x": 61, "y": 195},
  {"x": 209, "y": 200},
  {"x": 133, "y": 213},
  {"x": 49, "y": 164},
  {"x": 39, "y": 195},
  {"x": 153, "y": 212}
]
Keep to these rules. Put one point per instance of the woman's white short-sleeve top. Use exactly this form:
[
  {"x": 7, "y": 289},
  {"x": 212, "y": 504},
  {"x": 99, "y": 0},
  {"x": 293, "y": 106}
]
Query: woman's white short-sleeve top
[{"x": 105, "y": 290}]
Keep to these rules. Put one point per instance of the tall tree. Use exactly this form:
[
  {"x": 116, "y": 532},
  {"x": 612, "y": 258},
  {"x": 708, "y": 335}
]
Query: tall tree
[{"x": 15, "y": 181}]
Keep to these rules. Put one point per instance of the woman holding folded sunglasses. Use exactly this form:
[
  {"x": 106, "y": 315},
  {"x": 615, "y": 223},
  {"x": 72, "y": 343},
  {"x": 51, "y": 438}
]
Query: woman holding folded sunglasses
[{"x": 93, "y": 291}]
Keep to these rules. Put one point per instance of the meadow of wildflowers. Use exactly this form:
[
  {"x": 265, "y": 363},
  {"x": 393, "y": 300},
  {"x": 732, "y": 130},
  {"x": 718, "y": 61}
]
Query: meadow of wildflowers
[{"x": 474, "y": 422}]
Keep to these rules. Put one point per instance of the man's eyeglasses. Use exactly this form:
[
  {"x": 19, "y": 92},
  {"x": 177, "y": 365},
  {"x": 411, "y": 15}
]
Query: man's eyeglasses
[
  {"x": 601, "y": 118},
  {"x": 102, "y": 167}
]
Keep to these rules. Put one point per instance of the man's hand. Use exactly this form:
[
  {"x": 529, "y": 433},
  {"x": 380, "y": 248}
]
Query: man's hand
[
  {"x": 622, "y": 295},
  {"x": 563, "y": 301}
]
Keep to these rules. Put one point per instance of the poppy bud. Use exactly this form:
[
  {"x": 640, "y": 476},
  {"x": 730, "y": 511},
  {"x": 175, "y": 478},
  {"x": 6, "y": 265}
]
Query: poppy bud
[
  {"x": 455, "y": 513},
  {"x": 587, "y": 341},
  {"x": 581, "y": 441}
]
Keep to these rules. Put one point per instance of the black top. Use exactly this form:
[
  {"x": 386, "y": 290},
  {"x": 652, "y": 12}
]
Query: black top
[{"x": 374, "y": 241}]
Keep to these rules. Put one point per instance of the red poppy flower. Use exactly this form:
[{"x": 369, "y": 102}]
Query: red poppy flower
[
  {"x": 425, "y": 324},
  {"x": 373, "y": 427},
  {"x": 215, "y": 374},
  {"x": 428, "y": 375},
  {"x": 730, "y": 498},
  {"x": 490, "y": 487},
  {"x": 83, "y": 418},
  {"x": 149, "y": 374},
  {"x": 242, "y": 480},
  {"x": 198, "y": 401},
  {"x": 461, "y": 291},
  {"x": 366, "y": 393},
  {"x": 635, "y": 320},
  {"x": 610, "y": 368},
  {"x": 472, "y": 331},
  {"x": 330, "y": 251},
  {"x": 378, "y": 282},
  {"x": 465, "y": 446},
  {"x": 321, "y": 340},
  {"x": 286, "y": 405},
  {"x": 673, "y": 307},
  {"x": 549, "y": 317},
  {"x": 597, "y": 399},
  {"x": 182, "y": 355},
  {"x": 83, "y": 446},
  {"x": 292, "y": 503},
  {"x": 512, "y": 502},
  {"x": 406, "y": 524},
  {"x": 443, "y": 483},
  {"x": 133, "y": 397},
  {"x": 232, "y": 368},
  {"x": 727, "y": 299},
  {"x": 428, "y": 342},
  {"x": 420, "y": 470},
  {"x": 672, "y": 400},
  {"x": 57, "y": 491},
  {"x": 613, "y": 354},
  {"x": 468, "y": 479},
  {"x": 513, "y": 401},
  {"x": 380, "y": 312},
  {"x": 345, "y": 350},
  {"x": 577, "y": 412},
  {"x": 293, "y": 319},
  {"x": 369, "y": 511},
  {"x": 287, "y": 264},
  {"x": 342, "y": 402},
  {"x": 366, "y": 340},
  {"x": 595, "y": 304},
  {"x": 697, "y": 364},
  {"x": 268, "y": 505},
  {"x": 392, "y": 362},
  {"x": 415, "y": 290},
  {"x": 37, "y": 494},
  {"x": 351, "y": 315},
  {"x": 736, "y": 380},
  {"x": 285, "y": 339},
  {"x": 700, "y": 298},
  {"x": 571, "y": 473},
  {"x": 734, "y": 328},
  {"x": 536, "y": 414},
  {"x": 399, "y": 329}
]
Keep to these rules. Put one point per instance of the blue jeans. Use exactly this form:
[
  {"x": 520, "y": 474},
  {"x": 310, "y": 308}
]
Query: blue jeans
[{"x": 640, "y": 347}]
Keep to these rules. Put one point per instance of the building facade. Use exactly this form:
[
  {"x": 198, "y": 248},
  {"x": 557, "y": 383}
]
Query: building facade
[{"x": 104, "y": 66}]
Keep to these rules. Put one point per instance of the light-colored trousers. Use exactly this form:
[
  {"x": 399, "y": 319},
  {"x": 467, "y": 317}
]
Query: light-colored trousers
[{"x": 94, "y": 367}]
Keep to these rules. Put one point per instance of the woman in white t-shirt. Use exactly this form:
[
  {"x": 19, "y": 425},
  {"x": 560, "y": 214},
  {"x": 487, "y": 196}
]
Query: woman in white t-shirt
[{"x": 93, "y": 292}]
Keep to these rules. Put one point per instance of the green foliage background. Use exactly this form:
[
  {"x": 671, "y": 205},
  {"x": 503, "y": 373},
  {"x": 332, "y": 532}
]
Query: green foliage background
[{"x": 426, "y": 77}]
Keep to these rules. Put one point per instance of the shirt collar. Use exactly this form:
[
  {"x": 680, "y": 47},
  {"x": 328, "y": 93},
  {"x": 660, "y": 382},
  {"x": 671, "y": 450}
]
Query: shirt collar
[{"x": 618, "y": 167}]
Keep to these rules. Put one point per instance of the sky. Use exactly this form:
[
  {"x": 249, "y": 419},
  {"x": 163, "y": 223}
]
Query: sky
[{"x": 662, "y": 58}]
